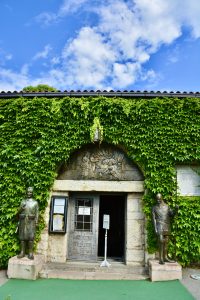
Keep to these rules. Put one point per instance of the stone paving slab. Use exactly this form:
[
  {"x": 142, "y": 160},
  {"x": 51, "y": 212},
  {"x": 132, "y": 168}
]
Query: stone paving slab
[
  {"x": 192, "y": 285},
  {"x": 3, "y": 277}
]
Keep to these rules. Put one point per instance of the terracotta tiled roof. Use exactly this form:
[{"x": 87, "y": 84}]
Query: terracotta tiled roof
[{"x": 111, "y": 93}]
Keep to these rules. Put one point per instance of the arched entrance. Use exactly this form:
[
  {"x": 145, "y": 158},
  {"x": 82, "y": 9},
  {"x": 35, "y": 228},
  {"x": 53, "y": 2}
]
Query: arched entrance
[
  {"x": 101, "y": 176},
  {"x": 100, "y": 180}
]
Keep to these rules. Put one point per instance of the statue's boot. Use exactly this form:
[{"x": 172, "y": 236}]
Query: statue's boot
[
  {"x": 161, "y": 262},
  {"x": 22, "y": 253},
  {"x": 30, "y": 249},
  {"x": 166, "y": 258}
]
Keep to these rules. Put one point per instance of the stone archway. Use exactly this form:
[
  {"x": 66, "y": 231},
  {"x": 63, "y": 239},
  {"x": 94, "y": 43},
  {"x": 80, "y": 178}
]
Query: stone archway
[{"x": 98, "y": 170}]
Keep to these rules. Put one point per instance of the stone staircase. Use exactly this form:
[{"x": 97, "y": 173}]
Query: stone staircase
[{"x": 92, "y": 271}]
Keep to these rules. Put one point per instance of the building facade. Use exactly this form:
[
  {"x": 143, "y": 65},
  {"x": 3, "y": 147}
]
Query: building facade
[{"x": 99, "y": 177}]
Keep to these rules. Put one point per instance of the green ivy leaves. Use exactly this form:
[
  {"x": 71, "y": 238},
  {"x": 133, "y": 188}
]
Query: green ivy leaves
[{"x": 38, "y": 134}]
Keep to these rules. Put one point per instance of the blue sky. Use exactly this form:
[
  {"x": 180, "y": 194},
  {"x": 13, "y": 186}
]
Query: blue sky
[{"x": 100, "y": 44}]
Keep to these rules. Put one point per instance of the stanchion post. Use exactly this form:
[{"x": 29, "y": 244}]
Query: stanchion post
[{"x": 106, "y": 222}]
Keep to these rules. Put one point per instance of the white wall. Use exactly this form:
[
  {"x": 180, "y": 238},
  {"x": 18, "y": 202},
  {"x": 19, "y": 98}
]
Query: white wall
[{"x": 188, "y": 180}]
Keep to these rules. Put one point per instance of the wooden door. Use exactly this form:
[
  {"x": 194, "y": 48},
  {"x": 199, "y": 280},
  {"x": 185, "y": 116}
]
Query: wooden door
[{"x": 83, "y": 233}]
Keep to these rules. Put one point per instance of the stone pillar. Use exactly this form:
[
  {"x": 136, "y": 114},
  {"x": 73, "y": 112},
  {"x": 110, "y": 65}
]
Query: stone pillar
[{"x": 134, "y": 230}]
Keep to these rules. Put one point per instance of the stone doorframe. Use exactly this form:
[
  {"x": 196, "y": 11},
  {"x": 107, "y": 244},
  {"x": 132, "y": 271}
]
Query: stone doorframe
[{"x": 54, "y": 246}]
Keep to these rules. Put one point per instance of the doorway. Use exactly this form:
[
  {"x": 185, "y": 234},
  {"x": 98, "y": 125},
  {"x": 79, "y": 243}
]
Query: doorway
[
  {"x": 113, "y": 205},
  {"x": 83, "y": 231}
]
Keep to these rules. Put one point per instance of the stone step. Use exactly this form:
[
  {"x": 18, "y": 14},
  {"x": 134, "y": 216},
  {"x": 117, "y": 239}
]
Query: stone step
[{"x": 93, "y": 271}]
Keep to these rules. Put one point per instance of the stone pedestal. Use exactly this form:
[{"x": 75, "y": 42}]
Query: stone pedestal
[
  {"x": 168, "y": 271},
  {"x": 24, "y": 268}
]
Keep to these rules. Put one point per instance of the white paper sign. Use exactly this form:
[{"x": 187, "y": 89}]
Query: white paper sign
[
  {"x": 57, "y": 222},
  {"x": 84, "y": 211},
  {"x": 106, "y": 221},
  {"x": 58, "y": 209},
  {"x": 59, "y": 202}
]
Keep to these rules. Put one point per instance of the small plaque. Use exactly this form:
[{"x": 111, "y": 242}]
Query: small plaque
[{"x": 106, "y": 221}]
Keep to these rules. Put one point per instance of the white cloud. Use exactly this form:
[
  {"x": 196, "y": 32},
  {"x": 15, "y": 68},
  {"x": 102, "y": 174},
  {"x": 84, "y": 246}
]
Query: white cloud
[
  {"x": 128, "y": 32},
  {"x": 70, "y": 6},
  {"x": 67, "y": 7},
  {"x": 173, "y": 55},
  {"x": 4, "y": 56},
  {"x": 125, "y": 74},
  {"x": 8, "y": 56},
  {"x": 192, "y": 16},
  {"x": 43, "y": 54},
  {"x": 88, "y": 59},
  {"x": 46, "y": 18},
  {"x": 10, "y": 80},
  {"x": 55, "y": 60},
  {"x": 113, "y": 52}
]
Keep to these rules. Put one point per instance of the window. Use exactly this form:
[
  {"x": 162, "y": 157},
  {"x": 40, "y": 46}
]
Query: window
[{"x": 83, "y": 214}]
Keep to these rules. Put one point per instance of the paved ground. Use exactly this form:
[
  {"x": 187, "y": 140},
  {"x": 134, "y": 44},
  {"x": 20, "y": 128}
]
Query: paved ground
[
  {"x": 192, "y": 285},
  {"x": 3, "y": 277}
]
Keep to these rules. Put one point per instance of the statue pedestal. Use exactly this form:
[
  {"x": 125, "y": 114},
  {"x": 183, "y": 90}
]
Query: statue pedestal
[
  {"x": 168, "y": 271},
  {"x": 24, "y": 268}
]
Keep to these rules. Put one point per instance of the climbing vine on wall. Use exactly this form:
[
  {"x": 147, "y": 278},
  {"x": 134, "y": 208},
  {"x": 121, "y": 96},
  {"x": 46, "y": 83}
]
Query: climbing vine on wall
[{"x": 38, "y": 134}]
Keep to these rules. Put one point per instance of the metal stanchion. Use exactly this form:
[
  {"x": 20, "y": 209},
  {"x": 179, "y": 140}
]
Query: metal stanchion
[{"x": 106, "y": 223}]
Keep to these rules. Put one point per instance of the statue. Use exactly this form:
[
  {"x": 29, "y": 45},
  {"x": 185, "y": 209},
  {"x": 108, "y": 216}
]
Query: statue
[
  {"x": 28, "y": 220},
  {"x": 162, "y": 214}
]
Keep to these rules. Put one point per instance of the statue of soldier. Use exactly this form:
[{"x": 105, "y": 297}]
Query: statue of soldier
[
  {"x": 28, "y": 220},
  {"x": 162, "y": 214}
]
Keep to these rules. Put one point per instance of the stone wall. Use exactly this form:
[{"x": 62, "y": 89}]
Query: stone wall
[
  {"x": 53, "y": 246},
  {"x": 135, "y": 234}
]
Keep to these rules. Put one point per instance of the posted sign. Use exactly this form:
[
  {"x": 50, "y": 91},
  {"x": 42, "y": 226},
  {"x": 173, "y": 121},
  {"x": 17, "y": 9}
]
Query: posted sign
[{"x": 106, "y": 221}]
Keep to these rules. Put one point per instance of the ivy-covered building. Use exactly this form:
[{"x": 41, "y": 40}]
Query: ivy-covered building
[{"x": 89, "y": 154}]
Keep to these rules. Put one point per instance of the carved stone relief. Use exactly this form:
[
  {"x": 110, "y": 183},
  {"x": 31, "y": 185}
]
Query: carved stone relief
[{"x": 100, "y": 163}]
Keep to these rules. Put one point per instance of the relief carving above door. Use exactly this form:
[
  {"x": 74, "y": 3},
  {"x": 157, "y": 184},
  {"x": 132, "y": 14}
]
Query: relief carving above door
[{"x": 100, "y": 163}]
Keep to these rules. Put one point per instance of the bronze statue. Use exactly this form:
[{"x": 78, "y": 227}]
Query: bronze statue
[
  {"x": 162, "y": 214},
  {"x": 28, "y": 220}
]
